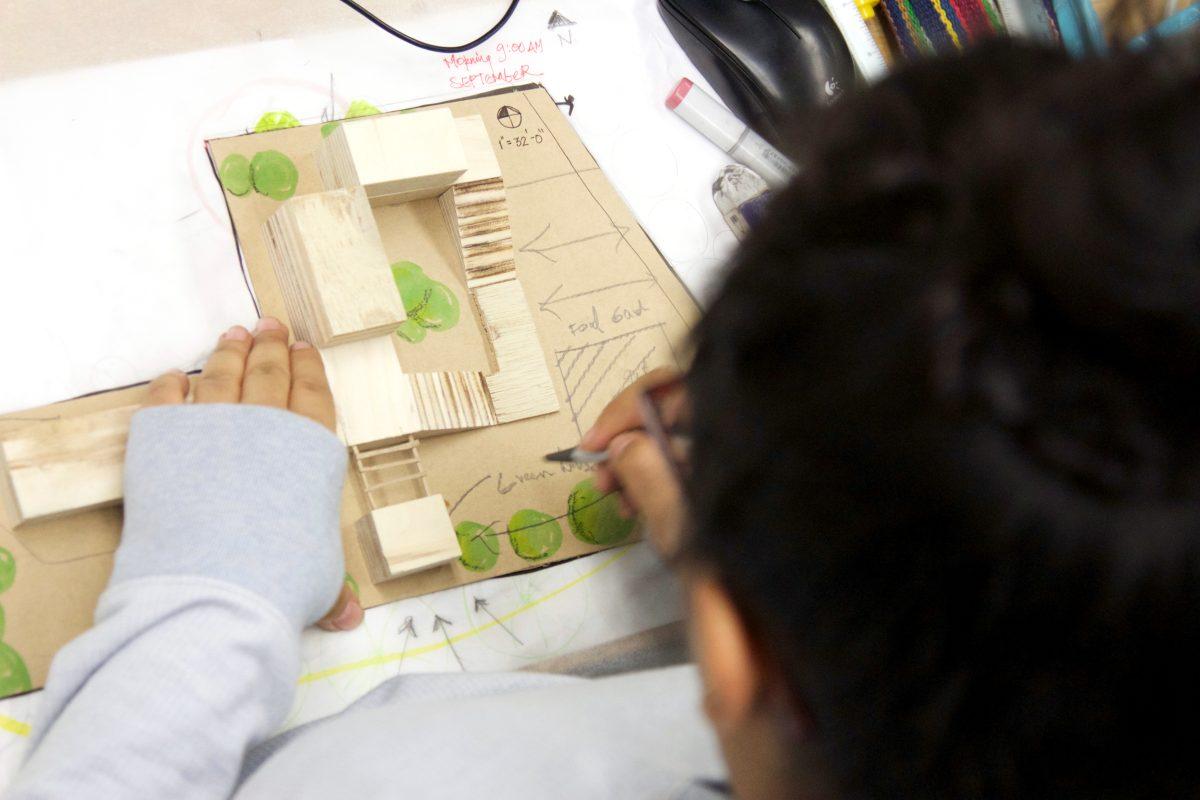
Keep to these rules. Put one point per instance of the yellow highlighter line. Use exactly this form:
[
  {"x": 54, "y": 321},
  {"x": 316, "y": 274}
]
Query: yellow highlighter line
[
  {"x": 14, "y": 726},
  {"x": 386, "y": 658}
]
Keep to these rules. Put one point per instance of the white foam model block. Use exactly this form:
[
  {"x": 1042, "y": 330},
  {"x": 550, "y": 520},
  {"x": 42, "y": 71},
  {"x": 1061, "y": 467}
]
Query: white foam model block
[
  {"x": 334, "y": 274},
  {"x": 63, "y": 465},
  {"x": 395, "y": 158},
  {"x": 521, "y": 387},
  {"x": 373, "y": 397},
  {"x": 407, "y": 537}
]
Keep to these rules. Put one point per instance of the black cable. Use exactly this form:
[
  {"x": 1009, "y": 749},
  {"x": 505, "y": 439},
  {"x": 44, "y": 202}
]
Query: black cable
[{"x": 437, "y": 48}]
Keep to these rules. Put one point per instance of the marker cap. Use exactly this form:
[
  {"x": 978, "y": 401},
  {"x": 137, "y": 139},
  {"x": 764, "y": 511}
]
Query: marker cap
[{"x": 706, "y": 114}]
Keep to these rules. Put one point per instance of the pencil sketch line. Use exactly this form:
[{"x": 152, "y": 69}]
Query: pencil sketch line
[
  {"x": 576, "y": 412},
  {"x": 511, "y": 186},
  {"x": 587, "y": 369},
  {"x": 541, "y": 251},
  {"x": 612, "y": 338},
  {"x": 561, "y": 355},
  {"x": 571, "y": 368},
  {"x": 552, "y": 299},
  {"x": 534, "y": 239},
  {"x": 657, "y": 283},
  {"x": 474, "y": 486}
]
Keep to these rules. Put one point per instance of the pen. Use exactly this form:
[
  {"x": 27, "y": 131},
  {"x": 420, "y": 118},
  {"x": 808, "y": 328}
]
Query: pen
[
  {"x": 577, "y": 455},
  {"x": 718, "y": 124}
]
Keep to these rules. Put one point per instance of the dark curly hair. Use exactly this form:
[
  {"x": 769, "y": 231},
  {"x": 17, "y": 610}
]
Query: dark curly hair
[{"x": 947, "y": 429}]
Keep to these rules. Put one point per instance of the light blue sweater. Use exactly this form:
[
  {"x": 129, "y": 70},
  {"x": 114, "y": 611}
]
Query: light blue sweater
[{"x": 230, "y": 548}]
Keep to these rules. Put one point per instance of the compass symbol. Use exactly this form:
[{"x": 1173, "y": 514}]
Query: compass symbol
[{"x": 509, "y": 117}]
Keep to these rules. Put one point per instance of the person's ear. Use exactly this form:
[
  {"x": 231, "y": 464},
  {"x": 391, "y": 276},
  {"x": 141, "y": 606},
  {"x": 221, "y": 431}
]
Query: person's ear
[{"x": 724, "y": 650}]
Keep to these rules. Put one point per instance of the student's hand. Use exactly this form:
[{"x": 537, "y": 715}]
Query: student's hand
[
  {"x": 637, "y": 467},
  {"x": 260, "y": 369}
]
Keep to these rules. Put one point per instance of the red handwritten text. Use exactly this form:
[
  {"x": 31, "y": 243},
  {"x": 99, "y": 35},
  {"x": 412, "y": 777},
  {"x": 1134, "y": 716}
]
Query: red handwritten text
[{"x": 478, "y": 68}]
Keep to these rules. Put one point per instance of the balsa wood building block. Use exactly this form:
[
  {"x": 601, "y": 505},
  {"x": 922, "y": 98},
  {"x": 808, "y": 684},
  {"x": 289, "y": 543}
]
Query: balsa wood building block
[
  {"x": 407, "y": 537},
  {"x": 482, "y": 163},
  {"x": 394, "y": 158},
  {"x": 476, "y": 210},
  {"x": 63, "y": 465},
  {"x": 452, "y": 401},
  {"x": 373, "y": 397},
  {"x": 522, "y": 386},
  {"x": 332, "y": 269}
]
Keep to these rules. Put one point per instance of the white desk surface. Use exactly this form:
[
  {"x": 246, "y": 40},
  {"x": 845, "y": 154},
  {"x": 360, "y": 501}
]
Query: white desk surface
[{"x": 117, "y": 260}]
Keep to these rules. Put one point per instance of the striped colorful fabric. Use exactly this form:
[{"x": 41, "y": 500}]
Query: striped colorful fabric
[
  {"x": 973, "y": 18},
  {"x": 931, "y": 23},
  {"x": 904, "y": 34},
  {"x": 926, "y": 27},
  {"x": 950, "y": 19},
  {"x": 924, "y": 42}
]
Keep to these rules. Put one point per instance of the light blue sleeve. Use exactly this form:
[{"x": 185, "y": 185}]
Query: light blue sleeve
[{"x": 230, "y": 547}]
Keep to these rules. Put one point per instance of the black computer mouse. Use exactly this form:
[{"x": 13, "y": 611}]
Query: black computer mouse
[{"x": 767, "y": 59}]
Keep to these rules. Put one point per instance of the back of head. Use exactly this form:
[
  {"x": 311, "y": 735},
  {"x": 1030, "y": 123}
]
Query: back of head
[{"x": 947, "y": 429}]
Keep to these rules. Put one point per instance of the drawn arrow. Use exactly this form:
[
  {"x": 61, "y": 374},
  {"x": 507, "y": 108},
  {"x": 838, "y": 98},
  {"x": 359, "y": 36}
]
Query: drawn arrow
[
  {"x": 528, "y": 247},
  {"x": 409, "y": 631},
  {"x": 553, "y": 298},
  {"x": 481, "y": 605},
  {"x": 439, "y": 624}
]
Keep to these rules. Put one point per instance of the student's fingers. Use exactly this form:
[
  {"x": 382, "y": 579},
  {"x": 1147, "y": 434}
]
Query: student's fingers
[
  {"x": 268, "y": 379},
  {"x": 168, "y": 389},
  {"x": 648, "y": 487},
  {"x": 221, "y": 379},
  {"x": 310, "y": 396},
  {"x": 346, "y": 614},
  {"x": 623, "y": 414}
]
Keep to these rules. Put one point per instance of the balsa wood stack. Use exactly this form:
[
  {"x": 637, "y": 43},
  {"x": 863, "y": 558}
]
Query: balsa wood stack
[
  {"x": 476, "y": 210},
  {"x": 394, "y": 158},
  {"x": 521, "y": 387},
  {"x": 332, "y": 269},
  {"x": 452, "y": 401}
]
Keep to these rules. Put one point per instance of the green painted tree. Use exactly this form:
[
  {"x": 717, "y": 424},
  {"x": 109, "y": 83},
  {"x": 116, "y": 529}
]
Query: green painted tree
[
  {"x": 595, "y": 517},
  {"x": 534, "y": 535},
  {"x": 14, "y": 676}
]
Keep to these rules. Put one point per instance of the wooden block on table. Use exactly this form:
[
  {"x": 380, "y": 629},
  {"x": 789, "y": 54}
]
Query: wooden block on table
[
  {"x": 482, "y": 163},
  {"x": 373, "y": 397},
  {"x": 395, "y": 158},
  {"x": 334, "y": 274},
  {"x": 407, "y": 537},
  {"x": 63, "y": 465},
  {"x": 521, "y": 387}
]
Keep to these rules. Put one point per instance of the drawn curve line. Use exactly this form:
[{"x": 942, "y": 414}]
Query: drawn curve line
[{"x": 386, "y": 658}]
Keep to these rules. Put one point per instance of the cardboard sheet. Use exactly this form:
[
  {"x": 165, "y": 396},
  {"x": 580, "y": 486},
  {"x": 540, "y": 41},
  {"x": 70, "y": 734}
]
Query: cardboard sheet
[{"x": 607, "y": 307}]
